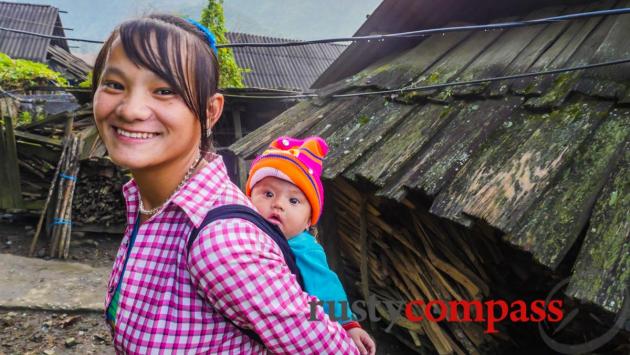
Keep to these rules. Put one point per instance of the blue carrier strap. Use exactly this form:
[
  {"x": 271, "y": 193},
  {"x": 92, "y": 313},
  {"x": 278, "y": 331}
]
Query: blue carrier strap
[{"x": 248, "y": 214}]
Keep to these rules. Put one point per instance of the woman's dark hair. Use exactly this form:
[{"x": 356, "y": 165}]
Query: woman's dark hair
[{"x": 176, "y": 51}]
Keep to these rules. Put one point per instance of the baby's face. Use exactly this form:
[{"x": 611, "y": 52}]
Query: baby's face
[{"x": 283, "y": 204}]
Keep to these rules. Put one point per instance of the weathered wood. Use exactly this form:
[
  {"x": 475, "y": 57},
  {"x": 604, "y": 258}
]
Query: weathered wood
[
  {"x": 61, "y": 202},
  {"x": 402, "y": 144},
  {"x": 601, "y": 274},
  {"x": 365, "y": 128},
  {"x": 64, "y": 248},
  {"x": 291, "y": 122},
  {"x": 365, "y": 246},
  {"x": 494, "y": 60},
  {"x": 238, "y": 134},
  {"x": 497, "y": 151},
  {"x": 449, "y": 66},
  {"x": 453, "y": 146},
  {"x": 613, "y": 46},
  {"x": 409, "y": 66},
  {"x": 553, "y": 224},
  {"x": 562, "y": 50},
  {"x": 48, "y": 198},
  {"x": 51, "y": 119},
  {"x": 12, "y": 195},
  {"x": 501, "y": 194},
  {"x": 531, "y": 53},
  {"x": 36, "y": 138}
]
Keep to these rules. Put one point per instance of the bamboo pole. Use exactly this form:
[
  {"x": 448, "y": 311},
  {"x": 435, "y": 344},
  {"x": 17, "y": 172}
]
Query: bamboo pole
[{"x": 51, "y": 190}]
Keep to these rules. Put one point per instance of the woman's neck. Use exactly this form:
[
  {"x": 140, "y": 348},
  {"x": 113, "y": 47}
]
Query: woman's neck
[{"x": 157, "y": 184}]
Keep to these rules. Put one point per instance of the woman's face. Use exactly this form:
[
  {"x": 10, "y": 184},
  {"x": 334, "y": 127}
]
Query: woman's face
[{"x": 141, "y": 120}]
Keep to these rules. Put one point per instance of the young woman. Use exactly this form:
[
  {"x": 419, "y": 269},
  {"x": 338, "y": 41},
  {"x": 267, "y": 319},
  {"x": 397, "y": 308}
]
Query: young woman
[{"x": 155, "y": 101}]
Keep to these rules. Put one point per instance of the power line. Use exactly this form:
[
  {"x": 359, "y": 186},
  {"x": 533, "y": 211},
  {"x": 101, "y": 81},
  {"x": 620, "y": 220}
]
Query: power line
[
  {"x": 427, "y": 32},
  {"x": 404, "y": 89},
  {"x": 419, "y": 33},
  {"x": 48, "y": 36},
  {"x": 441, "y": 86}
]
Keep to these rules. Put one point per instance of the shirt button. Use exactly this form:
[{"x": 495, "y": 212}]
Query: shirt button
[{"x": 111, "y": 289}]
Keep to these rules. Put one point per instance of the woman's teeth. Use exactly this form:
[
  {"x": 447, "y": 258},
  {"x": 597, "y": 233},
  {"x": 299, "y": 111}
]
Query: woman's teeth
[{"x": 137, "y": 135}]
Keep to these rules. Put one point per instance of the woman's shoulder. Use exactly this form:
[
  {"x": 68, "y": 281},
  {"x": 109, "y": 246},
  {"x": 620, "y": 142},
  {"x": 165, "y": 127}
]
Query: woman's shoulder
[{"x": 230, "y": 232}]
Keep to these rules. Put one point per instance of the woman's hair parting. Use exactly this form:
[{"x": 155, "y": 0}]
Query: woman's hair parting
[{"x": 176, "y": 51}]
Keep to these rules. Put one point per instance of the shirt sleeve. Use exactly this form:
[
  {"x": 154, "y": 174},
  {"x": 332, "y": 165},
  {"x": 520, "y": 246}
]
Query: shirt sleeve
[
  {"x": 319, "y": 280},
  {"x": 242, "y": 273}
]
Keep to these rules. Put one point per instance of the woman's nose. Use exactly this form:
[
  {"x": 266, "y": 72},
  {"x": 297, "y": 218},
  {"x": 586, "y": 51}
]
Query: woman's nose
[{"x": 133, "y": 107}]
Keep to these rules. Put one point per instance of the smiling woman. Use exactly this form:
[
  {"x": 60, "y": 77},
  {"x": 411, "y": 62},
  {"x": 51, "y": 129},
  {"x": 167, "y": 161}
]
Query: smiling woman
[{"x": 155, "y": 97}]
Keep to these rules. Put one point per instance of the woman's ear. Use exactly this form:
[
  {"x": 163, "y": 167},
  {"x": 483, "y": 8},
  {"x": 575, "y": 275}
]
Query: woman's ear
[{"x": 214, "y": 109}]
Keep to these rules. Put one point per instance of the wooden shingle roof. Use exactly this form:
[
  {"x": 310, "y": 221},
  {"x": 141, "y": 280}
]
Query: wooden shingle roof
[
  {"x": 291, "y": 68},
  {"x": 543, "y": 159}
]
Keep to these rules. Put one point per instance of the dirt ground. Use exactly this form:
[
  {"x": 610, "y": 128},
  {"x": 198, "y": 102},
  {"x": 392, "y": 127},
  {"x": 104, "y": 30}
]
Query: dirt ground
[
  {"x": 40, "y": 332},
  {"x": 36, "y": 332}
]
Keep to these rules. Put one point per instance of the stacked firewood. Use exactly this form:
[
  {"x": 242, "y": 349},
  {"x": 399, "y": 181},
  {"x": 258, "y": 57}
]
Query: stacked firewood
[
  {"x": 97, "y": 199},
  {"x": 404, "y": 254},
  {"x": 99, "y": 194}
]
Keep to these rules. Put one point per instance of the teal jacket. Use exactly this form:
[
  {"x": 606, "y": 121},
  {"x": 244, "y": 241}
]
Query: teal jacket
[{"x": 319, "y": 280}]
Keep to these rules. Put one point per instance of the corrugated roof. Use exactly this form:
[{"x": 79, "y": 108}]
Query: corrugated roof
[
  {"x": 538, "y": 158},
  {"x": 293, "y": 68},
  {"x": 43, "y": 19}
]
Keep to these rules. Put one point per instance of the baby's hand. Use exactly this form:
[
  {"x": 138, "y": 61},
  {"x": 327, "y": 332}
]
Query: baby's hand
[{"x": 365, "y": 344}]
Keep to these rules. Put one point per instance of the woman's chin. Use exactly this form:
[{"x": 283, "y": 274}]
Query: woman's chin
[{"x": 128, "y": 161}]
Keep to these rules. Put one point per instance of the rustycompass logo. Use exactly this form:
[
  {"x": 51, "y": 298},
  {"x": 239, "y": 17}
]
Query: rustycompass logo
[{"x": 549, "y": 334}]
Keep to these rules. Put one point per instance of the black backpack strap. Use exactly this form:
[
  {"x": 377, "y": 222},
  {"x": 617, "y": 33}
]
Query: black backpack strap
[{"x": 248, "y": 214}]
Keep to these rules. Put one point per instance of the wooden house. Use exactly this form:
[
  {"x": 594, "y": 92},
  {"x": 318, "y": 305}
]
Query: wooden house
[{"x": 508, "y": 189}]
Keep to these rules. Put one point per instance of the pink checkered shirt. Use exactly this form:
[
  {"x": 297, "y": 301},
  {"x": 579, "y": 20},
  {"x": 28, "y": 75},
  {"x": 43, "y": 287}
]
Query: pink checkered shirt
[{"x": 170, "y": 302}]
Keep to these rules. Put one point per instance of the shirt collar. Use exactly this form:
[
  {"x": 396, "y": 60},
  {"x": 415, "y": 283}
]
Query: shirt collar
[{"x": 195, "y": 198}]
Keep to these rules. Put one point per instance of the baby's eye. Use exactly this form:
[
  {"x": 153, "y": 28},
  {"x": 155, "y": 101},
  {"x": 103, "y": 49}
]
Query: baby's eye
[
  {"x": 165, "y": 91},
  {"x": 294, "y": 201},
  {"x": 112, "y": 85},
  {"x": 269, "y": 194}
]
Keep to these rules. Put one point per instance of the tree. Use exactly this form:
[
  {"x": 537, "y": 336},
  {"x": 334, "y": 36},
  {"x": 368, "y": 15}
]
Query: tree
[{"x": 231, "y": 75}]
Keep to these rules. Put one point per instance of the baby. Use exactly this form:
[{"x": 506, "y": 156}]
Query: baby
[{"x": 285, "y": 187}]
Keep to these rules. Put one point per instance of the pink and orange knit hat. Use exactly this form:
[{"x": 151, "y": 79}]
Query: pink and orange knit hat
[{"x": 298, "y": 161}]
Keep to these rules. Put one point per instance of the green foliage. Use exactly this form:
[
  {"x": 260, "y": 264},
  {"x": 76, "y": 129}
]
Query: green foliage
[
  {"x": 87, "y": 83},
  {"x": 24, "y": 118},
  {"x": 231, "y": 75},
  {"x": 21, "y": 73}
]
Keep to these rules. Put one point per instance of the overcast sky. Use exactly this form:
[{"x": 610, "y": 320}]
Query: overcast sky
[{"x": 298, "y": 19}]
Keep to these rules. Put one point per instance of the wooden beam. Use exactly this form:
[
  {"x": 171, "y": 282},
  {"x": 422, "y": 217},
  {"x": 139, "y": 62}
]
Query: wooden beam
[
  {"x": 363, "y": 235},
  {"x": 241, "y": 166},
  {"x": 12, "y": 195},
  {"x": 36, "y": 138}
]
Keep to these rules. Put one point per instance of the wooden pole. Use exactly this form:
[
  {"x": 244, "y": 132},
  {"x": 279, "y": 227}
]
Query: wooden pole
[
  {"x": 13, "y": 192},
  {"x": 365, "y": 282},
  {"x": 238, "y": 134},
  {"x": 51, "y": 190}
]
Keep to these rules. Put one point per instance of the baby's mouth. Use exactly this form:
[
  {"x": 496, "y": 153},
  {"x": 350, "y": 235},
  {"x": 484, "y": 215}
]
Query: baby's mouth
[{"x": 275, "y": 219}]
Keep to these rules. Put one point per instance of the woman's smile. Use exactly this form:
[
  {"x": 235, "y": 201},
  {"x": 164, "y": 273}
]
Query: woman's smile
[{"x": 133, "y": 136}]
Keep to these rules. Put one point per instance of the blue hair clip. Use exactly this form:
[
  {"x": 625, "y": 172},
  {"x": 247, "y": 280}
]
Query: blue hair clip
[{"x": 209, "y": 36}]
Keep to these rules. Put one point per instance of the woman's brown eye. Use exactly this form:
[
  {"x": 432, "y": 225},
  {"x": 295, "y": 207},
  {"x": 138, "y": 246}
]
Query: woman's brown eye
[
  {"x": 165, "y": 92},
  {"x": 112, "y": 85}
]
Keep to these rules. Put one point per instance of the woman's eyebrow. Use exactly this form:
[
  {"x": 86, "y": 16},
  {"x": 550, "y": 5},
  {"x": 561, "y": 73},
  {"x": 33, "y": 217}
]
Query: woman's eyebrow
[{"x": 113, "y": 71}]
